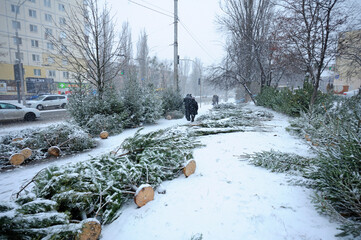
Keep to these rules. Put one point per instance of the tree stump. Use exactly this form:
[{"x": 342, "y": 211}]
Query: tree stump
[
  {"x": 54, "y": 151},
  {"x": 143, "y": 195},
  {"x": 26, "y": 152},
  {"x": 189, "y": 168},
  {"x": 91, "y": 229},
  {"x": 104, "y": 135},
  {"x": 17, "y": 159},
  {"x": 17, "y": 139}
]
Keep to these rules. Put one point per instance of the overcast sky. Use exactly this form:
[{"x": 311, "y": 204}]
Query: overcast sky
[{"x": 198, "y": 36}]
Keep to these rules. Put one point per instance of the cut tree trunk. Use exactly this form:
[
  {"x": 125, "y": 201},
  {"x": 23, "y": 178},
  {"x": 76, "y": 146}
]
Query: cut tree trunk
[
  {"x": 17, "y": 159},
  {"x": 189, "y": 168},
  {"x": 143, "y": 195},
  {"x": 91, "y": 229},
  {"x": 104, "y": 135},
  {"x": 54, "y": 151},
  {"x": 26, "y": 152}
]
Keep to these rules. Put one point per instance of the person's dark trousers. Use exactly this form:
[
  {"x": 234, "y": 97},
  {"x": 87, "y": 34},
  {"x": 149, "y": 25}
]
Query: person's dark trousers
[
  {"x": 188, "y": 116},
  {"x": 192, "y": 117}
]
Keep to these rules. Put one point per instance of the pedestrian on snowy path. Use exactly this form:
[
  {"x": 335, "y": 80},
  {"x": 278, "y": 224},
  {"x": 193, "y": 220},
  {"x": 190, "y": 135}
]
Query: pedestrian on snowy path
[
  {"x": 215, "y": 100},
  {"x": 187, "y": 105},
  {"x": 193, "y": 108}
]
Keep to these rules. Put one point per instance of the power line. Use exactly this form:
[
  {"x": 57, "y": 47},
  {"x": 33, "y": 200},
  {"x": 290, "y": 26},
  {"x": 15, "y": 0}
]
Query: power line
[
  {"x": 165, "y": 14},
  {"x": 164, "y": 10},
  {"x": 198, "y": 42}
]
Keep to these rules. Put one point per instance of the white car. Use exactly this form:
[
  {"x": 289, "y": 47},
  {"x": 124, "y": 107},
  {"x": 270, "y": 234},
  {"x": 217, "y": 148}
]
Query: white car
[
  {"x": 48, "y": 101},
  {"x": 14, "y": 111},
  {"x": 351, "y": 93}
]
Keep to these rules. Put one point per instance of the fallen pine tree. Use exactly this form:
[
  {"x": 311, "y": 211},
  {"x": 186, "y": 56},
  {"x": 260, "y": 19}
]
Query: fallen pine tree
[
  {"x": 62, "y": 198},
  {"x": 40, "y": 143}
]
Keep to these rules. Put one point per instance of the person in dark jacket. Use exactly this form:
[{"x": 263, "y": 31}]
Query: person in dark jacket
[
  {"x": 187, "y": 103},
  {"x": 193, "y": 108}
]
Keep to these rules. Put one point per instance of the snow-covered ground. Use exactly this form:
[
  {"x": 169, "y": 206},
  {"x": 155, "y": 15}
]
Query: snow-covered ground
[{"x": 226, "y": 198}]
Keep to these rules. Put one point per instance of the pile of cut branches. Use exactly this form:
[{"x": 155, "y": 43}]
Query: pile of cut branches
[
  {"x": 227, "y": 118},
  {"x": 67, "y": 138},
  {"x": 96, "y": 188}
]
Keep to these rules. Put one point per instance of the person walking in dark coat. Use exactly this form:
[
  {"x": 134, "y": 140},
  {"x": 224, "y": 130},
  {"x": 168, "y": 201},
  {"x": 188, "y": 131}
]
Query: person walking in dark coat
[
  {"x": 187, "y": 105},
  {"x": 215, "y": 100},
  {"x": 193, "y": 108}
]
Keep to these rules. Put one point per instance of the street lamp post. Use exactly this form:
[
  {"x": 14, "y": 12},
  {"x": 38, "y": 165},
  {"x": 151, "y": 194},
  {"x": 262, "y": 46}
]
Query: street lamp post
[{"x": 199, "y": 79}]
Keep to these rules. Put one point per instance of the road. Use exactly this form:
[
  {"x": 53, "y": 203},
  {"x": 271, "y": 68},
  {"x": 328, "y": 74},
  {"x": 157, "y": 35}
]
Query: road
[{"x": 47, "y": 117}]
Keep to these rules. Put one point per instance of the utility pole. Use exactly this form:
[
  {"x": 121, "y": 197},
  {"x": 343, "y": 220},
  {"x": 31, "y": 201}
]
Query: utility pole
[
  {"x": 176, "y": 58},
  {"x": 22, "y": 85}
]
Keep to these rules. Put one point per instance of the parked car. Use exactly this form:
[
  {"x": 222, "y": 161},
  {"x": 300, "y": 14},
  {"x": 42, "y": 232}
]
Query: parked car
[
  {"x": 351, "y": 93},
  {"x": 48, "y": 101},
  {"x": 14, "y": 111}
]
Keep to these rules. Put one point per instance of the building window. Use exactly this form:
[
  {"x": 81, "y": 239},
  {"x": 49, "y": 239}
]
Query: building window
[
  {"x": 50, "y": 45},
  {"x": 14, "y": 8},
  {"x": 36, "y": 57},
  {"x": 63, "y": 48},
  {"x": 16, "y": 24},
  {"x": 51, "y": 60},
  {"x": 62, "y": 20},
  {"x": 48, "y": 33},
  {"x": 51, "y": 73},
  {"x": 34, "y": 43},
  {"x": 66, "y": 75},
  {"x": 47, "y": 3},
  {"x": 62, "y": 35},
  {"x": 33, "y": 28},
  {"x": 61, "y": 7},
  {"x": 17, "y": 40},
  {"x": 37, "y": 72},
  {"x": 48, "y": 17},
  {"x": 32, "y": 13},
  {"x": 21, "y": 55}
]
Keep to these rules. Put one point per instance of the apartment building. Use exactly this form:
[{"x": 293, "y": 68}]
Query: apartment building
[
  {"x": 348, "y": 69},
  {"x": 37, "y": 23}
]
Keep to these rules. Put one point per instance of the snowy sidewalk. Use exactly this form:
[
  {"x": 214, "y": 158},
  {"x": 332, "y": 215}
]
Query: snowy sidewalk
[{"x": 229, "y": 199}]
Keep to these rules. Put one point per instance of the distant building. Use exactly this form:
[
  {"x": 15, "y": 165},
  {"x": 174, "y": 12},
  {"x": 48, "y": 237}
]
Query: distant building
[
  {"x": 348, "y": 71},
  {"x": 35, "y": 21}
]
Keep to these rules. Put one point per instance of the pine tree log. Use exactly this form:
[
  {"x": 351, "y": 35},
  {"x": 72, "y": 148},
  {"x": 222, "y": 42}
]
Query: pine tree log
[
  {"x": 26, "y": 152},
  {"x": 143, "y": 195},
  {"x": 17, "y": 139},
  {"x": 91, "y": 229},
  {"x": 17, "y": 159},
  {"x": 104, "y": 135},
  {"x": 189, "y": 168},
  {"x": 54, "y": 151},
  {"x": 307, "y": 137}
]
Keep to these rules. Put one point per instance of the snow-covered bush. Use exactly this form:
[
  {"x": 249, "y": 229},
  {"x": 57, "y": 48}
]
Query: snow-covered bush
[
  {"x": 171, "y": 101},
  {"x": 292, "y": 103},
  {"x": 152, "y": 104},
  {"x": 69, "y": 138},
  {"x": 96, "y": 114}
]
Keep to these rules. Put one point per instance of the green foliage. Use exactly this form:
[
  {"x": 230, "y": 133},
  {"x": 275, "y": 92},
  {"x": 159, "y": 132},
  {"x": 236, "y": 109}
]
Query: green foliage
[
  {"x": 98, "y": 114},
  {"x": 171, "y": 101},
  {"x": 334, "y": 129},
  {"x": 281, "y": 162},
  {"x": 289, "y": 102}
]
